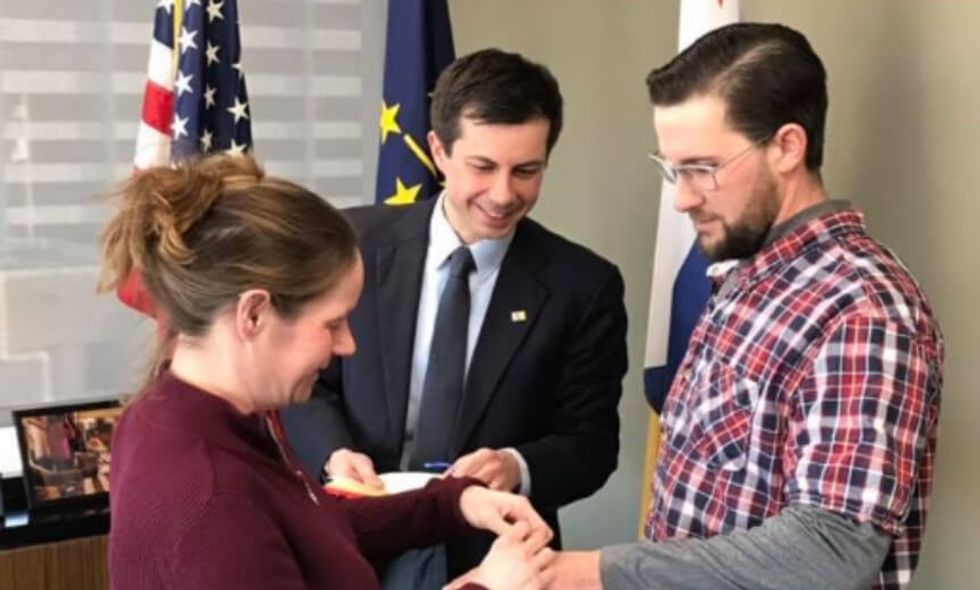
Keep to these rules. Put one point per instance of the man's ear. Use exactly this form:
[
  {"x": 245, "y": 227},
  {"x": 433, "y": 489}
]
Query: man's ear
[
  {"x": 439, "y": 154},
  {"x": 790, "y": 143},
  {"x": 252, "y": 312}
]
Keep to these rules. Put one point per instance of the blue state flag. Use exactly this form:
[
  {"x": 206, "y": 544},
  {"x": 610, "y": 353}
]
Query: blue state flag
[{"x": 419, "y": 46}]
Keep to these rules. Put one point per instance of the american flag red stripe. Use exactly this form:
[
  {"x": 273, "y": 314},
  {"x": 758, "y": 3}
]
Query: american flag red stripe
[
  {"x": 153, "y": 139},
  {"x": 158, "y": 108}
]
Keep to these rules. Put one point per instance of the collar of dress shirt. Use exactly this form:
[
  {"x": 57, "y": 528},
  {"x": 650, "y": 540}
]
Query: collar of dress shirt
[{"x": 443, "y": 240}]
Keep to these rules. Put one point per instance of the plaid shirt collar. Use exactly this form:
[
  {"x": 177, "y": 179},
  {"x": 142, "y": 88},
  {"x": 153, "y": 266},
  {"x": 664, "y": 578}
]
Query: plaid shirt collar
[{"x": 829, "y": 220}]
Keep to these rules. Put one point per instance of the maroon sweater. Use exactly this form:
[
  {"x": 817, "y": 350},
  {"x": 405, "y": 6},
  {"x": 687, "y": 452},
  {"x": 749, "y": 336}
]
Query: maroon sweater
[{"x": 202, "y": 498}]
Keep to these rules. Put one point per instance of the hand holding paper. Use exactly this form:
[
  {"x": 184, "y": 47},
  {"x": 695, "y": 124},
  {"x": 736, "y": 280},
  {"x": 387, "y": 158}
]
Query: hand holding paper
[{"x": 345, "y": 463}]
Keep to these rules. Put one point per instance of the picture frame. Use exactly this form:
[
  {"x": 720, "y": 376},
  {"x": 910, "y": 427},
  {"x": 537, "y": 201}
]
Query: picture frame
[{"x": 66, "y": 452}]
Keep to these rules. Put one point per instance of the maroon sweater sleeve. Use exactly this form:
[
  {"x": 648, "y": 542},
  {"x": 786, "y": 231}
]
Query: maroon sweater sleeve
[{"x": 390, "y": 525}]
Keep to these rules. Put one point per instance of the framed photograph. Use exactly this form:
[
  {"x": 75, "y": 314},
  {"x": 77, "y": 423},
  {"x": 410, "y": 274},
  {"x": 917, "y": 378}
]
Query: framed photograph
[{"x": 65, "y": 452}]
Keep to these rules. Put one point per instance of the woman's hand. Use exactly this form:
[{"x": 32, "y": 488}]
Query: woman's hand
[
  {"x": 518, "y": 560},
  {"x": 499, "y": 511}
]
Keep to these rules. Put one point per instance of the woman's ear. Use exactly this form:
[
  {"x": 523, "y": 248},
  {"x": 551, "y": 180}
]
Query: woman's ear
[{"x": 252, "y": 312}]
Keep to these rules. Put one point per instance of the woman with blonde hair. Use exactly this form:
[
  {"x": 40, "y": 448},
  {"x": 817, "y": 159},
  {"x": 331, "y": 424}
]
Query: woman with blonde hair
[{"x": 256, "y": 277}]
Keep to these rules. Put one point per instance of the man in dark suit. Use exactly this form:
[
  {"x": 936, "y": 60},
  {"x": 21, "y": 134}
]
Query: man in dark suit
[{"x": 542, "y": 354}]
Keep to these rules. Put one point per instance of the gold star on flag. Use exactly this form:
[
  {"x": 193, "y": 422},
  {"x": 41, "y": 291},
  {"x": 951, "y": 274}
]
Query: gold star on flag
[
  {"x": 403, "y": 195},
  {"x": 389, "y": 120}
]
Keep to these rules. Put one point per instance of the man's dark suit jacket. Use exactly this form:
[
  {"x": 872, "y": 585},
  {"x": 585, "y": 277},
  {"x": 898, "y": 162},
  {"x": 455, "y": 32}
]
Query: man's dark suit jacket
[{"x": 546, "y": 382}]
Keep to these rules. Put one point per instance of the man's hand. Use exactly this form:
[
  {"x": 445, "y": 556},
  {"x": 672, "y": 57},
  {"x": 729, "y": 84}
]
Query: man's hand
[
  {"x": 519, "y": 559},
  {"x": 356, "y": 466},
  {"x": 575, "y": 570},
  {"x": 498, "y": 511},
  {"x": 497, "y": 469}
]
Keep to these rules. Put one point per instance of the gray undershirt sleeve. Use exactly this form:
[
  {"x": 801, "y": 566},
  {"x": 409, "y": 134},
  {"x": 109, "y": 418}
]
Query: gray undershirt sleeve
[{"x": 804, "y": 547}]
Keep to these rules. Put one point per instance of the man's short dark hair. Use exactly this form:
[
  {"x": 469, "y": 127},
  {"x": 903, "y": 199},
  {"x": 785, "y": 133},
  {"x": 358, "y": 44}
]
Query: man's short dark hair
[
  {"x": 767, "y": 74},
  {"x": 496, "y": 87}
]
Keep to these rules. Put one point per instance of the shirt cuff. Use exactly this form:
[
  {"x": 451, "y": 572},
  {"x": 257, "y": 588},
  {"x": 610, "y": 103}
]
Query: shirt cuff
[{"x": 525, "y": 488}]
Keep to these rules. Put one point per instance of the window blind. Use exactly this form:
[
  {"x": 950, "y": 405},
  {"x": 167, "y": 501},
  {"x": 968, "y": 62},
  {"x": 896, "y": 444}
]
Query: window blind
[{"x": 71, "y": 82}]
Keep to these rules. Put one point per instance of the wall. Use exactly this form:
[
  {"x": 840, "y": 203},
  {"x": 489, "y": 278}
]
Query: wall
[{"x": 902, "y": 144}]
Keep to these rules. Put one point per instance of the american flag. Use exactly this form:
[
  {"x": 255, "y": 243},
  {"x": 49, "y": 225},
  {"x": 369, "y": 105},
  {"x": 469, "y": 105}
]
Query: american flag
[{"x": 195, "y": 100}]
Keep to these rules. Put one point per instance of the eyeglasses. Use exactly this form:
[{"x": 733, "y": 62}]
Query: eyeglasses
[{"x": 700, "y": 177}]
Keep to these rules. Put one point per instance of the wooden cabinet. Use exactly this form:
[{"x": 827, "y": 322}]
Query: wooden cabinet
[{"x": 74, "y": 564}]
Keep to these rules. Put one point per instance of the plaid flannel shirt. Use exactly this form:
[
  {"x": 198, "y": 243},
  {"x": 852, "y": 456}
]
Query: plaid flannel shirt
[{"x": 815, "y": 380}]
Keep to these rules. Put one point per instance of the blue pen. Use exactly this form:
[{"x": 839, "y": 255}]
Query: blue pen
[{"x": 436, "y": 465}]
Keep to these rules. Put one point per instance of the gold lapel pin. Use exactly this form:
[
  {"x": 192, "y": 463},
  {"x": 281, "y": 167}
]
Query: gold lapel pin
[{"x": 518, "y": 315}]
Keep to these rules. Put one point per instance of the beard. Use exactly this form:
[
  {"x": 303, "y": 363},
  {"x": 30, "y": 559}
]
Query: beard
[{"x": 746, "y": 235}]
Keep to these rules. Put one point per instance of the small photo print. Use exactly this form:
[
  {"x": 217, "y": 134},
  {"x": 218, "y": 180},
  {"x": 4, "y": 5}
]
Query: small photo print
[{"x": 66, "y": 451}]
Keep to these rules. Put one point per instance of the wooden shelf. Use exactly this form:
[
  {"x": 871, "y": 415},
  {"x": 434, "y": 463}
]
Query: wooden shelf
[{"x": 76, "y": 564}]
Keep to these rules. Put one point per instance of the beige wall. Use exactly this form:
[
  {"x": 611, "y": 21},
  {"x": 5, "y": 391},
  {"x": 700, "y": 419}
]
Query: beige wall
[{"x": 903, "y": 144}]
